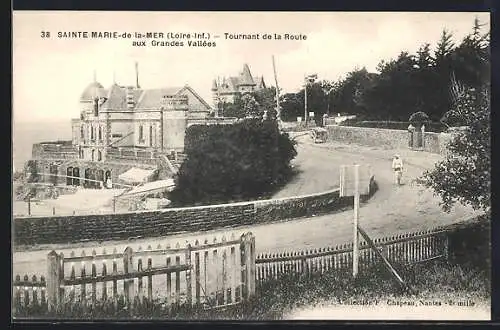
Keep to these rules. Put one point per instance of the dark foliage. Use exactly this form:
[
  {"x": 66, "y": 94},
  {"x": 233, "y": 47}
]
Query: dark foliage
[
  {"x": 233, "y": 162},
  {"x": 465, "y": 175},
  {"x": 252, "y": 105},
  {"x": 401, "y": 86}
]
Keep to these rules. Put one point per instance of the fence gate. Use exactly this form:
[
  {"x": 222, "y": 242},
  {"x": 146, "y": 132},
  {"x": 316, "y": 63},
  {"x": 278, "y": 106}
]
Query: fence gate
[{"x": 223, "y": 273}]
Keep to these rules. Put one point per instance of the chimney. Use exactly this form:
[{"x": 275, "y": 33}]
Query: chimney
[
  {"x": 130, "y": 97},
  {"x": 137, "y": 75}
]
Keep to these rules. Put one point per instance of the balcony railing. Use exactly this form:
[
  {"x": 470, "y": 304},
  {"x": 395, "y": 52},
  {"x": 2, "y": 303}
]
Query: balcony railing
[{"x": 132, "y": 154}]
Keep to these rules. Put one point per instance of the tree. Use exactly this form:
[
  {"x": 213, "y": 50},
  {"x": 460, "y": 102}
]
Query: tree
[
  {"x": 292, "y": 106},
  {"x": 234, "y": 109},
  {"x": 250, "y": 106},
  {"x": 419, "y": 118},
  {"x": 444, "y": 47},
  {"x": 266, "y": 99},
  {"x": 471, "y": 59},
  {"x": 464, "y": 176}
]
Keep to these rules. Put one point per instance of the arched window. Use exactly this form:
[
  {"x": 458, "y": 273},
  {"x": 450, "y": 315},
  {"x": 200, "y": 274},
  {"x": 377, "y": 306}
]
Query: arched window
[
  {"x": 100, "y": 133},
  {"x": 76, "y": 176},
  {"x": 99, "y": 155},
  {"x": 93, "y": 154},
  {"x": 69, "y": 174},
  {"x": 86, "y": 183}
]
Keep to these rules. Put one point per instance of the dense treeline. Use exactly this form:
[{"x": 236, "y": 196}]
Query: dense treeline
[
  {"x": 227, "y": 163},
  {"x": 409, "y": 83}
]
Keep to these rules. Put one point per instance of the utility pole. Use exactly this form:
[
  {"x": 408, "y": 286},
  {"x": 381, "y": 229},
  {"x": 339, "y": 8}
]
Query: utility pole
[
  {"x": 278, "y": 109},
  {"x": 355, "y": 245},
  {"x": 305, "y": 101},
  {"x": 307, "y": 79}
]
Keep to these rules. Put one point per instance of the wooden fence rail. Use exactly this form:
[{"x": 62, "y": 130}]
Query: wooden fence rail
[
  {"x": 406, "y": 249},
  {"x": 28, "y": 292},
  {"x": 209, "y": 274}
]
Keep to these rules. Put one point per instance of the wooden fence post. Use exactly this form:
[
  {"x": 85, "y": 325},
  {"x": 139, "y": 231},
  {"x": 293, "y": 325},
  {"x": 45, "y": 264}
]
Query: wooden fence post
[
  {"x": 128, "y": 266},
  {"x": 189, "y": 292},
  {"x": 252, "y": 265},
  {"x": 53, "y": 281},
  {"x": 446, "y": 247},
  {"x": 243, "y": 290},
  {"x": 247, "y": 247}
]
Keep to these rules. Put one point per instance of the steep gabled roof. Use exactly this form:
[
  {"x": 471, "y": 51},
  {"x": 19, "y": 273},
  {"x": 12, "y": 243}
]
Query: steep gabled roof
[
  {"x": 260, "y": 82},
  {"x": 245, "y": 76},
  {"x": 196, "y": 95},
  {"x": 152, "y": 98},
  {"x": 116, "y": 98}
]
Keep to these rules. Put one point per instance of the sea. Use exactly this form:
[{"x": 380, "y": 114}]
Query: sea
[{"x": 27, "y": 133}]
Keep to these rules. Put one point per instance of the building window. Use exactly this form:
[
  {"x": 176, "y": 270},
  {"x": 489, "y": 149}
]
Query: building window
[
  {"x": 93, "y": 153},
  {"x": 99, "y": 155},
  {"x": 141, "y": 133},
  {"x": 91, "y": 132},
  {"x": 82, "y": 132},
  {"x": 100, "y": 133},
  {"x": 96, "y": 107},
  {"x": 150, "y": 136}
]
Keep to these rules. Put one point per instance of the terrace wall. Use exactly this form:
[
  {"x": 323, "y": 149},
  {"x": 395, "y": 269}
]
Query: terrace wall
[{"x": 105, "y": 227}]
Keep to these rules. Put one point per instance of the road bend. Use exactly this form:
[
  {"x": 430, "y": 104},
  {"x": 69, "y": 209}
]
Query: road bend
[{"x": 392, "y": 210}]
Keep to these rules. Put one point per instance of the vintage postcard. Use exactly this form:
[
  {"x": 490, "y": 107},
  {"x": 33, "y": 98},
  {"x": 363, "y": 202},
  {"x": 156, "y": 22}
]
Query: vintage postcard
[{"x": 251, "y": 165}]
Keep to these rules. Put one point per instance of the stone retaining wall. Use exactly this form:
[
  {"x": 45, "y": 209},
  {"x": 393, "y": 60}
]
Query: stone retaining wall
[
  {"x": 390, "y": 138},
  {"x": 105, "y": 227}
]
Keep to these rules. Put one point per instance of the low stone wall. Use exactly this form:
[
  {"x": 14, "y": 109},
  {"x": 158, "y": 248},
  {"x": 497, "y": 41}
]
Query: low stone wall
[
  {"x": 390, "y": 138},
  {"x": 105, "y": 227}
]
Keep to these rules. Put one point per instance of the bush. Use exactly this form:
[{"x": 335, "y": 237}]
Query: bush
[
  {"x": 225, "y": 163},
  {"x": 419, "y": 118}
]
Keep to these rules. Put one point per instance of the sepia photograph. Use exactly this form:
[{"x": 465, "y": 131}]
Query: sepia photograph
[{"x": 251, "y": 166}]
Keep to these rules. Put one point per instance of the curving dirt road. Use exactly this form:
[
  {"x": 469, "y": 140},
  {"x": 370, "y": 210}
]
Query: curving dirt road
[{"x": 390, "y": 211}]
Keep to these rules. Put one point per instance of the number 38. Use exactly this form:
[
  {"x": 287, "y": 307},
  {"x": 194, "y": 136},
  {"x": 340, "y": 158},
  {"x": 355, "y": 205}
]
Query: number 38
[{"x": 45, "y": 34}]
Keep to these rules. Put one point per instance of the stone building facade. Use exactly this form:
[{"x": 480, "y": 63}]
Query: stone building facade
[
  {"x": 226, "y": 89},
  {"x": 121, "y": 127}
]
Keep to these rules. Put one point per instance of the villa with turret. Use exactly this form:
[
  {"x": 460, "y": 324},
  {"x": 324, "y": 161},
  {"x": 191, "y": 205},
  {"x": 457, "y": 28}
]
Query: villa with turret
[
  {"x": 225, "y": 89},
  {"x": 123, "y": 129}
]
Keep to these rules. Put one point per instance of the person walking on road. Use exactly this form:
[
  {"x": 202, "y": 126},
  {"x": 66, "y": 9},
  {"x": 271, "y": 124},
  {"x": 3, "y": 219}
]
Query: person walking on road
[{"x": 397, "y": 167}]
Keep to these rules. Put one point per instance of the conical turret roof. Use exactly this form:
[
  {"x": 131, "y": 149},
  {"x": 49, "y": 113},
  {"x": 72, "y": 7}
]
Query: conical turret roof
[
  {"x": 246, "y": 76},
  {"x": 93, "y": 90}
]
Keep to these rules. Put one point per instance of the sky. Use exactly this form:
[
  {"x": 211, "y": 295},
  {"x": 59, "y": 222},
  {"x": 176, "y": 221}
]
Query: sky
[{"x": 49, "y": 74}]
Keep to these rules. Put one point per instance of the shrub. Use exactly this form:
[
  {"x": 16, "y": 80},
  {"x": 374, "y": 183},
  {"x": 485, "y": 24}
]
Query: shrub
[
  {"x": 225, "y": 163},
  {"x": 464, "y": 176},
  {"x": 419, "y": 118}
]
